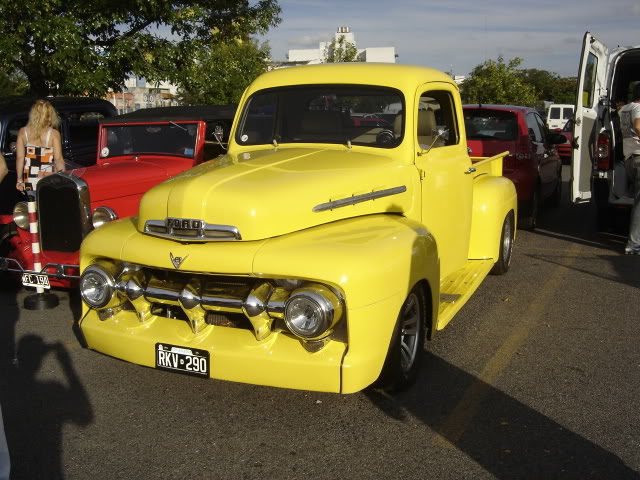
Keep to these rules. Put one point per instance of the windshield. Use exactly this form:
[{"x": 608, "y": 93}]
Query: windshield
[
  {"x": 175, "y": 139},
  {"x": 490, "y": 125},
  {"x": 361, "y": 115}
]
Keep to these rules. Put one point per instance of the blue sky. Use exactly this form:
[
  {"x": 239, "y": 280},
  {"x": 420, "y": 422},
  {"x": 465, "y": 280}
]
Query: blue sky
[{"x": 460, "y": 34}]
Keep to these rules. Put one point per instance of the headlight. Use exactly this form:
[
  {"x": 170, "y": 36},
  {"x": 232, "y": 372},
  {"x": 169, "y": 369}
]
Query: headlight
[
  {"x": 21, "y": 215},
  {"x": 96, "y": 286},
  {"x": 312, "y": 311},
  {"x": 102, "y": 215}
]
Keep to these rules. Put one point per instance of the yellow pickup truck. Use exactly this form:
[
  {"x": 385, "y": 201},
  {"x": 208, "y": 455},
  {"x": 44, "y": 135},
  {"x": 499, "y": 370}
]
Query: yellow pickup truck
[{"x": 346, "y": 224}]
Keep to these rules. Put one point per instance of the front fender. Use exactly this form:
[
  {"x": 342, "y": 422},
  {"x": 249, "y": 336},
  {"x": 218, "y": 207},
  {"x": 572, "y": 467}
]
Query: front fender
[
  {"x": 493, "y": 198},
  {"x": 375, "y": 261}
]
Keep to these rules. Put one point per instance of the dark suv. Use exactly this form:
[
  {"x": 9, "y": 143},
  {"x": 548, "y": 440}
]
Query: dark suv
[{"x": 78, "y": 127}]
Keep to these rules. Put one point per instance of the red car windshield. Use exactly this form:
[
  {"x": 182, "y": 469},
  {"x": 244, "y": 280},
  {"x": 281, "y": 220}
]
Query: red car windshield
[
  {"x": 175, "y": 139},
  {"x": 490, "y": 125}
]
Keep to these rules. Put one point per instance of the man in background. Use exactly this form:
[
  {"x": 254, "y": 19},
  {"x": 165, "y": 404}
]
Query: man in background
[{"x": 630, "y": 127}]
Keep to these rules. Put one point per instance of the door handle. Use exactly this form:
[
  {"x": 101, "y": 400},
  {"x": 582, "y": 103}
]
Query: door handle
[{"x": 470, "y": 170}]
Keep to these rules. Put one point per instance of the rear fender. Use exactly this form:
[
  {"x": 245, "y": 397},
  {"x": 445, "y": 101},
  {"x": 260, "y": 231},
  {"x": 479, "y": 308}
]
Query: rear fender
[{"x": 493, "y": 198}]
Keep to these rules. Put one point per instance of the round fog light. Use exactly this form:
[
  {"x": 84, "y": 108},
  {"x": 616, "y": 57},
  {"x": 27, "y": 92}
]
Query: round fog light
[
  {"x": 311, "y": 312},
  {"x": 21, "y": 215},
  {"x": 96, "y": 286},
  {"x": 102, "y": 215}
]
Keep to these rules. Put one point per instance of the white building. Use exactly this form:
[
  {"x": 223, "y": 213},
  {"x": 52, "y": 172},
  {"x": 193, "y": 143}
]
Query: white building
[
  {"x": 316, "y": 55},
  {"x": 138, "y": 93}
]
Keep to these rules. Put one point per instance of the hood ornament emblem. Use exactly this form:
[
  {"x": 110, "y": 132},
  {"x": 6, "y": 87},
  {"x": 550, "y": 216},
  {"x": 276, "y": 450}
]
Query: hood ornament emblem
[{"x": 177, "y": 261}]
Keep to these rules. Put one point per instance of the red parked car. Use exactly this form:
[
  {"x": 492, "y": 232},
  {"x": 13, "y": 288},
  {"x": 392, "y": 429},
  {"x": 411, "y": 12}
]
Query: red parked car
[
  {"x": 533, "y": 163},
  {"x": 564, "y": 149},
  {"x": 136, "y": 151}
]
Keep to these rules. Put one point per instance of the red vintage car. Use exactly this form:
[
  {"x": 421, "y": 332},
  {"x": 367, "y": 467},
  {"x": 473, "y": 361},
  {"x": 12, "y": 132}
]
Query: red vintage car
[
  {"x": 533, "y": 164},
  {"x": 135, "y": 152}
]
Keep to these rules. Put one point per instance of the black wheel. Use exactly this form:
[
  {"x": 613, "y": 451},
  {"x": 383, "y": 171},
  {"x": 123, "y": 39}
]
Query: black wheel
[
  {"x": 506, "y": 246},
  {"x": 406, "y": 349},
  {"x": 530, "y": 220}
]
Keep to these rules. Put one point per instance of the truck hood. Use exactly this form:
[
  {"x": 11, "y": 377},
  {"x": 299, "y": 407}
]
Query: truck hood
[
  {"x": 267, "y": 193},
  {"x": 124, "y": 178}
]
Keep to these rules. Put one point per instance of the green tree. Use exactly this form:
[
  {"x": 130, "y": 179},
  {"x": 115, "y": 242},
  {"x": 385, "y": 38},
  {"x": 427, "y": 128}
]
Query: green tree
[
  {"x": 76, "y": 47},
  {"x": 550, "y": 86},
  {"x": 219, "y": 74},
  {"x": 497, "y": 82},
  {"x": 340, "y": 50},
  {"x": 12, "y": 85}
]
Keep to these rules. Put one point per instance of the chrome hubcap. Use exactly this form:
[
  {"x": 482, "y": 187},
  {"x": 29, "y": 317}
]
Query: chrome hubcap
[
  {"x": 410, "y": 329},
  {"x": 507, "y": 242}
]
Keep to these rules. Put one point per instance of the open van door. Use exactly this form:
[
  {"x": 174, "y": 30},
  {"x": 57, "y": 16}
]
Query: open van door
[{"x": 592, "y": 76}]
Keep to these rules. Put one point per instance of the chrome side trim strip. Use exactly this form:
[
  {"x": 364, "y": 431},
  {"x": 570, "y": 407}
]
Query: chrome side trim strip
[{"x": 365, "y": 197}]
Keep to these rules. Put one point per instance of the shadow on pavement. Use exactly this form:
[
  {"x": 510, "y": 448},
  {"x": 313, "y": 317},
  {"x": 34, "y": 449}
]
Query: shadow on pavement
[
  {"x": 35, "y": 411},
  {"x": 503, "y": 435}
]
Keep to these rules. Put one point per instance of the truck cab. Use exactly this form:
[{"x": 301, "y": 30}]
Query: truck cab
[{"x": 321, "y": 251}]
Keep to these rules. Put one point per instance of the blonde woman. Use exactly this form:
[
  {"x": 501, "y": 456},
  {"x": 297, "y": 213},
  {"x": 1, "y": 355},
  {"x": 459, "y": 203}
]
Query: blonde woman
[{"x": 39, "y": 146}]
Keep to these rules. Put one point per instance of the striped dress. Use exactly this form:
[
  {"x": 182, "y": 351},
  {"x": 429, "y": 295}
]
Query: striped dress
[{"x": 38, "y": 161}]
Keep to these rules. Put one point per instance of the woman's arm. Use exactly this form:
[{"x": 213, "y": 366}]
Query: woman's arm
[
  {"x": 3, "y": 167},
  {"x": 58, "y": 160},
  {"x": 20, "y": 151}
]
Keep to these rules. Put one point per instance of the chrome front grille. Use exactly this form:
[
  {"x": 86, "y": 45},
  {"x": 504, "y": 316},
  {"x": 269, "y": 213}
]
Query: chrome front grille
[{"x": 202, "y": 299}]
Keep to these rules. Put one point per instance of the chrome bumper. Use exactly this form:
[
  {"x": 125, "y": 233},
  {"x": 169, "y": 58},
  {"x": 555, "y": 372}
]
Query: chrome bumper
[{"x": 12, "y": 265}]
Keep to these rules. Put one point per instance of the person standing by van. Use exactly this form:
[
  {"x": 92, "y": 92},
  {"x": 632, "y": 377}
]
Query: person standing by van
[
  {"x": 630, "y": 126},
  {"x": 39, "y": 146}
]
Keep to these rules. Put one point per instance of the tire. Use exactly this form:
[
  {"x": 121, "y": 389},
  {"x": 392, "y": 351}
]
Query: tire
[
  {"x": 530, "y": 221},
  {"x": 406, "y": 349},
  {"x": 506, "y": 247}
]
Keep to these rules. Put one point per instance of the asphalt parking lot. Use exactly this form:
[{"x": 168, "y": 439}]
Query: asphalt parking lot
[{"x": 536, "y": 377}]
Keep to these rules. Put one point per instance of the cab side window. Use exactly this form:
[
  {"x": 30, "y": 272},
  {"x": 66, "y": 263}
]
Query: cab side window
[
  {"x": 437, "y": 125},
  {"x": 589, "y": 81}
]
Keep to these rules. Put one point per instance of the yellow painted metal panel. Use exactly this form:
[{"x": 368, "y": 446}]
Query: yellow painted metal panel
[{"x": 278, "y": 361}]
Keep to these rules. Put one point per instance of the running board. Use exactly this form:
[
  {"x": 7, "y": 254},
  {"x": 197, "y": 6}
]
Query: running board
[{"x": 456, "y": 289}]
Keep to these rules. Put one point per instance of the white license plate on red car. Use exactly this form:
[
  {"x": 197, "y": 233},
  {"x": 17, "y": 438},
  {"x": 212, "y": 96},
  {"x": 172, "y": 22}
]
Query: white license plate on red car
[
  {"x": 190, "y": 361},
  {"x": 35, "y": 280}
]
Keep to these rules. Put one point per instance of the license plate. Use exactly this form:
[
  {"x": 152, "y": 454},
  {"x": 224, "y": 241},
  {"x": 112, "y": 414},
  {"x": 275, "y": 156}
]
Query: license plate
[
  {"x": 190, "y": 361},
  {"x": 35, "y": 280}
]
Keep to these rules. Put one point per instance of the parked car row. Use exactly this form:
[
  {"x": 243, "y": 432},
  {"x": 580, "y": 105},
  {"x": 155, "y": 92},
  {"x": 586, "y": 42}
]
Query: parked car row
[{"x": 256, "y": 266}]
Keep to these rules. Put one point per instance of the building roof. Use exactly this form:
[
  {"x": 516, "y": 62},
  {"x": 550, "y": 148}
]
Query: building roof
[{"x": 168, "y": 114}]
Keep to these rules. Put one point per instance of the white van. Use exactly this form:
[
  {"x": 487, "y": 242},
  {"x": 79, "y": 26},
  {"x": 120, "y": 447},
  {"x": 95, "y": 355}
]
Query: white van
[
  {"x": 558, "y": 114},
  {"x": 597, "y": 163}
]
